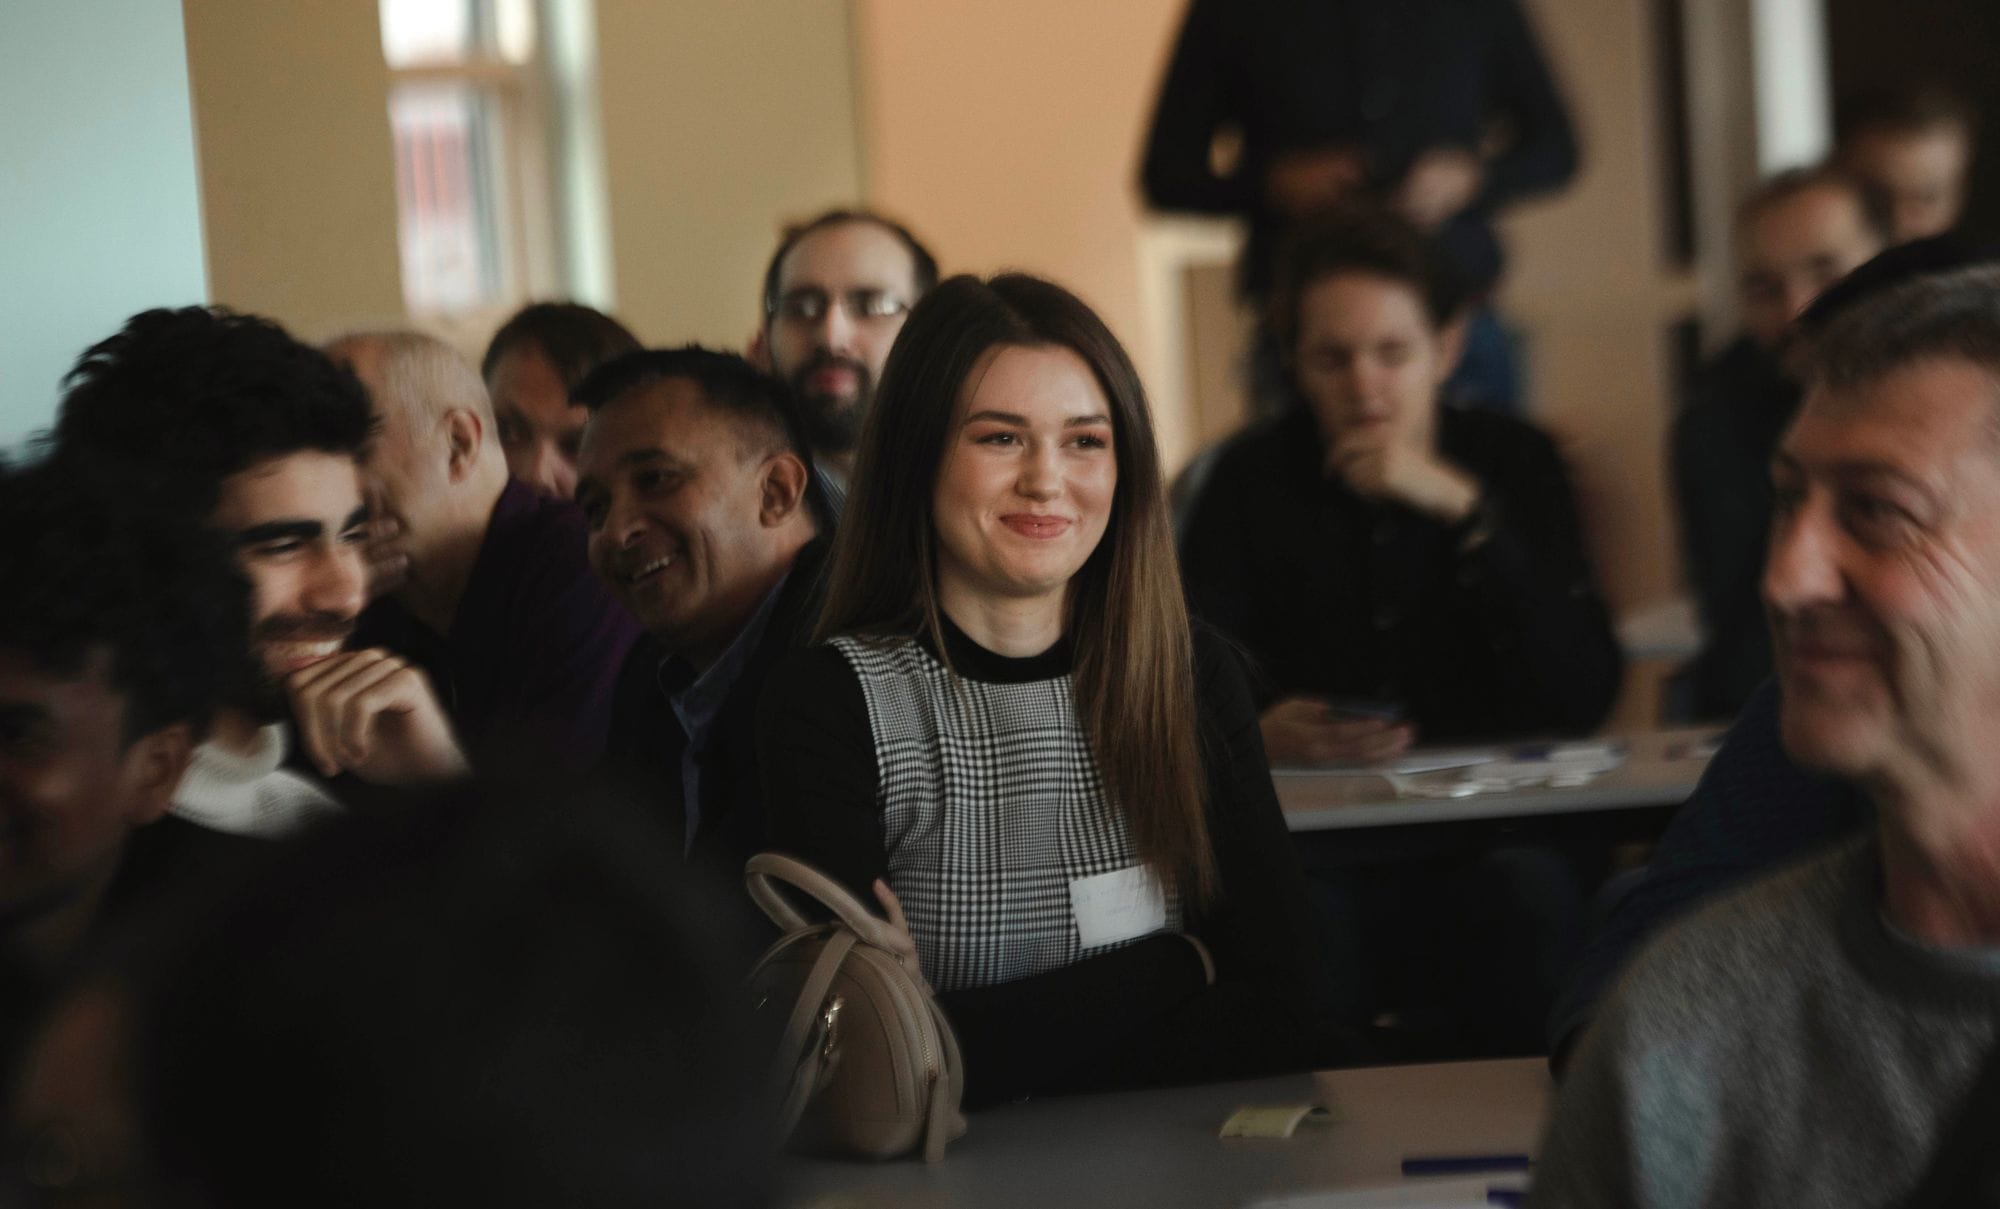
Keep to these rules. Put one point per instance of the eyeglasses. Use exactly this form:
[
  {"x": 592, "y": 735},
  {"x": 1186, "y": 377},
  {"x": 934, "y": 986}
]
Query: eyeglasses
[{"x": 809, "y": 304}]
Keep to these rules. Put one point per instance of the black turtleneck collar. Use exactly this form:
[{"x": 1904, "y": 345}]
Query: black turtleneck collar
[{"x": 975, "y": 662}]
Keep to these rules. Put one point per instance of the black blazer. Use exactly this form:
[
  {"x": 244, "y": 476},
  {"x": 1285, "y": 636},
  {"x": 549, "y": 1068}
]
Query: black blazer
[
  {"x": 646, "y": 741},
  {"x": 1393, "y": 78}
]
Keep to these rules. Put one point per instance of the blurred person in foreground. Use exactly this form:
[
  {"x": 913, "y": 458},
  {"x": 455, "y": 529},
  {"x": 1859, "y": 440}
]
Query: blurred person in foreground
[
  {"x": 121, "y": 636},
  {"x": 1754, "y": 809},
  {"x": 1810, "y": 1039},
  {"x": 485, "y": 996}
]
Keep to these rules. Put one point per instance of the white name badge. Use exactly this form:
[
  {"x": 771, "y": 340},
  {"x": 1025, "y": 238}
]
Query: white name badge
[{"x": 1115, "y": 906}]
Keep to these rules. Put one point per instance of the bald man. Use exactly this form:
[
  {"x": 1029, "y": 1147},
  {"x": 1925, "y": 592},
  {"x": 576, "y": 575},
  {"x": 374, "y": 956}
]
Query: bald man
[{"x": 499, "y": 604}]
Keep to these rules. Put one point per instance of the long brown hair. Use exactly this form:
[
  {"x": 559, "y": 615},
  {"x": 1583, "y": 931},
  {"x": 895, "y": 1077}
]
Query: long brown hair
[{"x": 1126, "y": 619}]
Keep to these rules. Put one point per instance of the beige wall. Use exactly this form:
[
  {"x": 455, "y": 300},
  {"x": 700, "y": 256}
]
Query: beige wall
[
  {"x": 1008, "y": 135},
  {"x": 1588, "y": 286},
  {"x": 297, "y": 174},
  {"x": 722, "y": 121}
]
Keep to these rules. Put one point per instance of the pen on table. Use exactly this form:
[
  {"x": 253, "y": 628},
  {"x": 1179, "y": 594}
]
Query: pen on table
[
  {"x": 1506, "y": 1196},
  {"x": 1463, "y": 1164}
]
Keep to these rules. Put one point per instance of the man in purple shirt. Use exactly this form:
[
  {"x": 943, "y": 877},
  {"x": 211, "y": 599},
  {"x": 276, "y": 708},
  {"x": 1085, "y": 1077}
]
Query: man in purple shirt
[{"x": 499, "y": 605}]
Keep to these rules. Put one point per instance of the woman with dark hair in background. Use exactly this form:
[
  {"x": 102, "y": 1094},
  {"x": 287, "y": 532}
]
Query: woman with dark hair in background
[{"x": 1011, "y": 738}]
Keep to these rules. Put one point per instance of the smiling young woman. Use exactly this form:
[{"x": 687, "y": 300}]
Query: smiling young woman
[{"x": 1013, "y": 740}]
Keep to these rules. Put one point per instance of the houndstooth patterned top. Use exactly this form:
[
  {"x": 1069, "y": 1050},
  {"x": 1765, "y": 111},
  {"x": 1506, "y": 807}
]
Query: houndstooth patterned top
[{"x": 991, "y": 806}]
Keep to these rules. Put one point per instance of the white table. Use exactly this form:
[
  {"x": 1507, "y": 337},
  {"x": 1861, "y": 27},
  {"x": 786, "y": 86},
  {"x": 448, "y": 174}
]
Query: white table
[
  {"x": 1660, "y": 769},
  {"x": 1160, "y": 1149}
]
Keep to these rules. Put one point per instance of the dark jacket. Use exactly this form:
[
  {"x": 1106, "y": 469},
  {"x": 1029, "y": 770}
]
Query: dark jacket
[
  {"x": 1392, "y": 78},
  {"x": 647, "y": 742},
  {"x": 1723, "y": 444},
  {"x": 1337, "y": 596}
]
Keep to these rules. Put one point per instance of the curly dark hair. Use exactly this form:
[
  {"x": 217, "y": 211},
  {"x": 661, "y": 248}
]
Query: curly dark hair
[
  {"x": 180, "y": 400},
  {"x": 575, "y": 338},
  {"x": 84, "y": 570}
]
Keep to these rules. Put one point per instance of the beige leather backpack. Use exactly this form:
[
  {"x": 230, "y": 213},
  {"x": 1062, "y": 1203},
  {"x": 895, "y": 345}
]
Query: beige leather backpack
[{"x": 868, "y": 1065}]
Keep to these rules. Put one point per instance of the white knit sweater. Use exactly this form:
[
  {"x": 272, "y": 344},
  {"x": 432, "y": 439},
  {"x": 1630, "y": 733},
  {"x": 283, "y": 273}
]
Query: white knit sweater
[{"x": 249, "y": 795}]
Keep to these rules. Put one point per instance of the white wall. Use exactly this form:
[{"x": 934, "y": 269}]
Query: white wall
[
  {"x": 1794, "y": 106},
  {"x": 98, "y": 198}
]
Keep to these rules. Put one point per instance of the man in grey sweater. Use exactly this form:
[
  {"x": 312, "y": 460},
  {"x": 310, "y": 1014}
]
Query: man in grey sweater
[{"x": 1811, "y": 1039}]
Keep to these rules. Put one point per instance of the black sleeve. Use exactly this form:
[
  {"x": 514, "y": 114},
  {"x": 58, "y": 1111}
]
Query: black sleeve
[
  {"x": 1543, "y": 151},
  {"x": 1724, "y": 512},
  {"x": 1530, "y": 588},
  {"x": 1197, "y": 99},
  {"x": 1272, "y": 983},
  {"x": 816, "y": 753},
  {"x": 1753, "y": 811},
  {"x": 1713, "y": 520},
  {"x": 1087, "y": 1025}
]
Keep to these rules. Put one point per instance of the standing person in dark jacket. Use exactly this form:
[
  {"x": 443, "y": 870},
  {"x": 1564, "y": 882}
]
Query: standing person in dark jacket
[
  {"x": 1442, "y": 108},
  {"x": 1397, "y": 569},
  {"x": 1797, "y": 234},
  {"x": 1013, "y": 740}
]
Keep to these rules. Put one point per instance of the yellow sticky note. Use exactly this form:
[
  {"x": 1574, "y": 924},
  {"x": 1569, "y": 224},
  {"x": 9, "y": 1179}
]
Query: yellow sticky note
[{"x": 1270, "y": 1120}]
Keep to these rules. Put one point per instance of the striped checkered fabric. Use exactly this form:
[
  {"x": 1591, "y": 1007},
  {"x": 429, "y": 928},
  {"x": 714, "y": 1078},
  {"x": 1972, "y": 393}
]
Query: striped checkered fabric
[{"x": 991, "y": 806}]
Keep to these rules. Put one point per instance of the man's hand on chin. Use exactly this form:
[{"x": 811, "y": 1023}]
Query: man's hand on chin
[{"x": 371, "y": 714}]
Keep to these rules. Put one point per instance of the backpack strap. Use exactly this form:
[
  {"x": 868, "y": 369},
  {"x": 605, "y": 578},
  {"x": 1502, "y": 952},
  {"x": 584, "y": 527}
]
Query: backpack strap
[
  {"x": 944, "y": 1122},
  {"x": 802, "y": 1054},
  {"x": 768, "y": 874}
]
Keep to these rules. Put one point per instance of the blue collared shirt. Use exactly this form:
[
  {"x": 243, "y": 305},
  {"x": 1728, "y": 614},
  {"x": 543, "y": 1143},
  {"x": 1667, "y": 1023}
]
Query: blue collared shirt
[{"x": 698, "y": 700}]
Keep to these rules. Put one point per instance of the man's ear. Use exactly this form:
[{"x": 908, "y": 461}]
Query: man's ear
[
  {"x": 464, "y": 429},
  {"x": 1451, "y": 346},
  {"x": 784, "y": 489},
  {"x": 154, "y": 765},
  {"x": 758, "y": 351}
]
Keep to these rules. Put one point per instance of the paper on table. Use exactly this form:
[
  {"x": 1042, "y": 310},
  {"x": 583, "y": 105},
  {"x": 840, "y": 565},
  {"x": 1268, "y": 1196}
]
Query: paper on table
[
  {"x": 1270, "y": 1120},
  {"x": 1428, "y": 1194},
  {"x": 1422, "y": 760}
]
